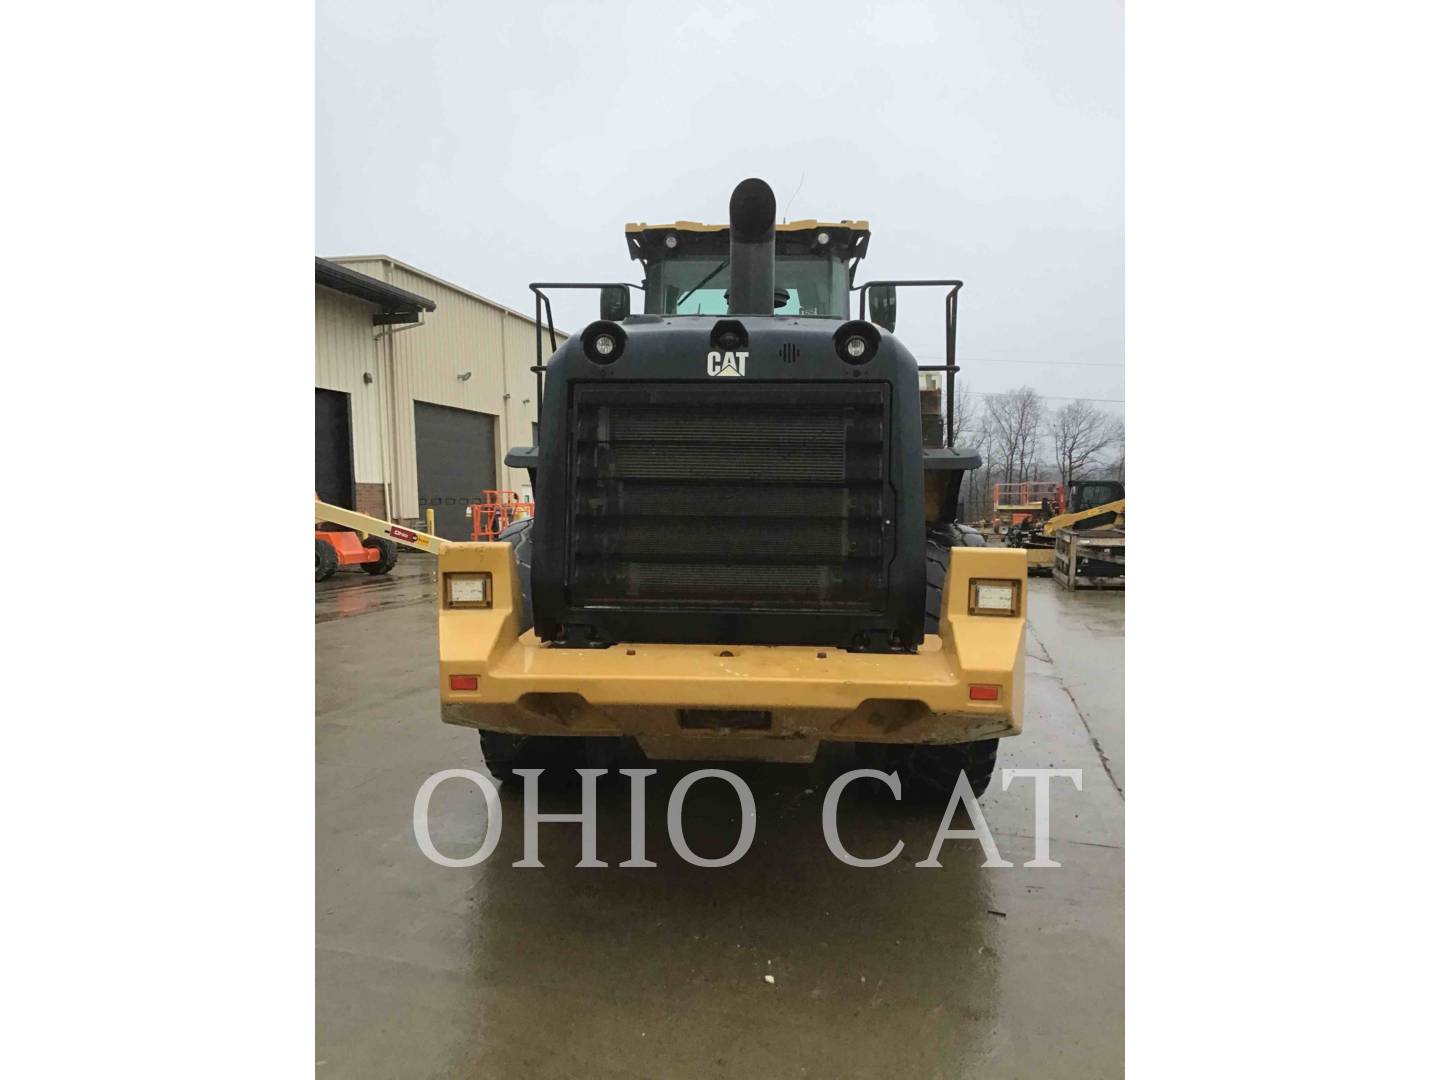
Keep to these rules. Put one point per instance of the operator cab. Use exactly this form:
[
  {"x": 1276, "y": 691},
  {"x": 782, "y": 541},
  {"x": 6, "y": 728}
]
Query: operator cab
[
  {"x": 687, "y": 267},
  {"x": 744, "y": 462},
  {"x": 1088, "y": 494}
]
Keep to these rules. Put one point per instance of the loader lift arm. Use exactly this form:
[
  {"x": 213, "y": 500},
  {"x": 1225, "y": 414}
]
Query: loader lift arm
[
  {"x": 1107, "y": 514},
  {"x": 338, "y": 515}
]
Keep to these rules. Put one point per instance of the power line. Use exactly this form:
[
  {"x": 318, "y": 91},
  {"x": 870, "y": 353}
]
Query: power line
[
  {"x": 1048, "y": 363},
  {"x": 1049, "y": 397},
  {"x": 1056, "y": 363}
]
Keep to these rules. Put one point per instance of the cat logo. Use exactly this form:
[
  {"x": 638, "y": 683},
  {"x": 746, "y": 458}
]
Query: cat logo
[{"x": 728, "y": 363}]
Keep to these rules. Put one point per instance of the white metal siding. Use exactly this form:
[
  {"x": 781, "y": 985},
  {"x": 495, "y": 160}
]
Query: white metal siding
[
  {"x": 463, "y": 333},
  {"x": 344, "y": 352}
]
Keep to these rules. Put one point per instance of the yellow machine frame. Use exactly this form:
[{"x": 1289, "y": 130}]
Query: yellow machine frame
[
  {"x": 1068, "y": 521},
  {"x": 681, "y": 701},
  {"x": 676, "y": 698}
]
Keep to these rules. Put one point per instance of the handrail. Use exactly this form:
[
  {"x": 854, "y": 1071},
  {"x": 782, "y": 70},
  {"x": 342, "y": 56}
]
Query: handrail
[
  {"x": 952, "y": 308},
  {"x": 541, "y": 298}
]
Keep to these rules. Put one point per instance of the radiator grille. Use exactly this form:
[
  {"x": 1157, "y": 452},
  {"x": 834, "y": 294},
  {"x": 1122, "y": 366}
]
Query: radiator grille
[{"x": 766, "y": 495}]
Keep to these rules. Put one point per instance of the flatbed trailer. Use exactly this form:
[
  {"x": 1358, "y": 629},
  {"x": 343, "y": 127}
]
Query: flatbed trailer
[{"x": 1090, "y": 558}]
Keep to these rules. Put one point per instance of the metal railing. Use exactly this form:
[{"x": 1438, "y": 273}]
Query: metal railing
[
  {"x": 496, "y": 509},
  {"x": 1029, "y": 493}
]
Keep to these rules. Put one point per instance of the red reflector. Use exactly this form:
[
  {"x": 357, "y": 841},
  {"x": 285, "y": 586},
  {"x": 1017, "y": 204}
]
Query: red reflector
[
  {"x": 464, "y": 682},
  {"x": 977, "y": 693}
]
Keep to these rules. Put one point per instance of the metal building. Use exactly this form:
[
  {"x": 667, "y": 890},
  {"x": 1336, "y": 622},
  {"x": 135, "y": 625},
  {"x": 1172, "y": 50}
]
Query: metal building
[{"x": 420, "y": 388}]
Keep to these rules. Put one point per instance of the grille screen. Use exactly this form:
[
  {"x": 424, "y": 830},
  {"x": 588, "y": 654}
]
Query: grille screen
[{"x": 766, "y": 495}]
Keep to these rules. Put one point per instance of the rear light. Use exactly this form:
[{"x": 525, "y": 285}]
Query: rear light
[
  {"x": 467, "y": 590},
  {"x": 977, "y": 692},
  {"x": 464, "y": 682}
]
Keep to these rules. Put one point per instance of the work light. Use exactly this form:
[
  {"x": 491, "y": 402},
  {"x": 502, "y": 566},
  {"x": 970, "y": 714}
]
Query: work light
[
  {"x": 857, "y": 342},
  {"x": 603, "y": 342},
  {"x": 468, "y": 590},
  {"x": 989, "y": 596}
]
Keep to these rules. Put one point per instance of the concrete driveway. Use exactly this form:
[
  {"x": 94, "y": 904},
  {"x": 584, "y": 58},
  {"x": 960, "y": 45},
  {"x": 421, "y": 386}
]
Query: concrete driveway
[{"x": 899, "y": 971}]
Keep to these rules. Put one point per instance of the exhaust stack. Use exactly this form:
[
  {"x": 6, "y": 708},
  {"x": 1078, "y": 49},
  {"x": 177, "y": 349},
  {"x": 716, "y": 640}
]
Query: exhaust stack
[{"x": 752, "y": 248}]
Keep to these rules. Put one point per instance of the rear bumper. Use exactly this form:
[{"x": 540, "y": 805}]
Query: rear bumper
[{"x": 672, "y": 693}]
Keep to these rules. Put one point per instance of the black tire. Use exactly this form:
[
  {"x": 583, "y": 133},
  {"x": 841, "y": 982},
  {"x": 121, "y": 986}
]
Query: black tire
[
  {"x": 389, "y": 553},
  {"x": 504, "y": 753},
  {"x": 928, "y": 773},
  {"x": 970, "y": 536},
  {"x": 939, "y": 539},
  {"x": 518, "y": 534},
  {"x": 325, "y": 559}
]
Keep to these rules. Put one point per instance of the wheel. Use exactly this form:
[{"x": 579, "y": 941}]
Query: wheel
[
  {"x": 389, "y": 552},
  {"x": 948, "y": 534},
  {"x": 929, "y": 772},
  {"x": 518, "y": 534},
  {"x": 325, "y": 559},
  {"x": 504, "y": 753},
  {"x": 939, "y": 539}
]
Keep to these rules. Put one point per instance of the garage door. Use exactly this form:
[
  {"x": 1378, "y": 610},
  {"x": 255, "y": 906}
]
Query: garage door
[
  {"x": 455, "y": 463},
  {"x": 334, "y": 474}
]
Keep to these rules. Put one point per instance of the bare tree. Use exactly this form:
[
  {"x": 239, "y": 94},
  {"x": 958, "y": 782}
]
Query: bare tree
[
  {"x": 1081, "y": 435},
  {"x": 978, "y": 434},
  {"x": 1014, "y": 419},
  {"x": 963, "y": 416}
]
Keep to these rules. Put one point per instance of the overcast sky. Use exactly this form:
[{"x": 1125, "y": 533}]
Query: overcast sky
[{"x": 498, "y": 144}]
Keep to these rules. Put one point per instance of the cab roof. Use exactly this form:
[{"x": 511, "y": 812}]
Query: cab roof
[{"x": 847, "y": 239}]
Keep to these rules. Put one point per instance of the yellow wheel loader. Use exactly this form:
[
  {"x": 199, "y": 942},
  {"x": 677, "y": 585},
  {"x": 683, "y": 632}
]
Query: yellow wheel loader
[{"x": 745, "y": 540}]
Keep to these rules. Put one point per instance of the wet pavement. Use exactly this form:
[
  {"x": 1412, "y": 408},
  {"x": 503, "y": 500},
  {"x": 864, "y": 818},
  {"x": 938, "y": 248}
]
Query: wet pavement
[{"x": 898, "y": 971}]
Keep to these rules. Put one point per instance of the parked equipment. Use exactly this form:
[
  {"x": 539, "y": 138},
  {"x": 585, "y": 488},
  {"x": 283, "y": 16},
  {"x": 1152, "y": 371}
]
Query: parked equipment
[
  {"x": 495, "y": 511},
  {"x": 1023, "y": 503},
  {"x": 362, "y": 541},
  {"x": 1089, "y": 504},
  {"x": 1082, "y": 505},
  {"x": 743, "y": 545}
]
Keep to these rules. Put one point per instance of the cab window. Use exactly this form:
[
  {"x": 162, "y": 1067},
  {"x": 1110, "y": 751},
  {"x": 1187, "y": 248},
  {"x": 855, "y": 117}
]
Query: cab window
[{"x": 700, "y": 286}]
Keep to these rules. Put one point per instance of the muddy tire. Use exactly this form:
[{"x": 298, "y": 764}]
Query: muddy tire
[
  {"x": 939, "y": 539},
  {"x": 504, "y": 753},
  {"x": 325, "y": 559},
  {"x": 389, "y": 553},
  {"x": 928, "y": 773},
  {"x": 517, "y": 533}
]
